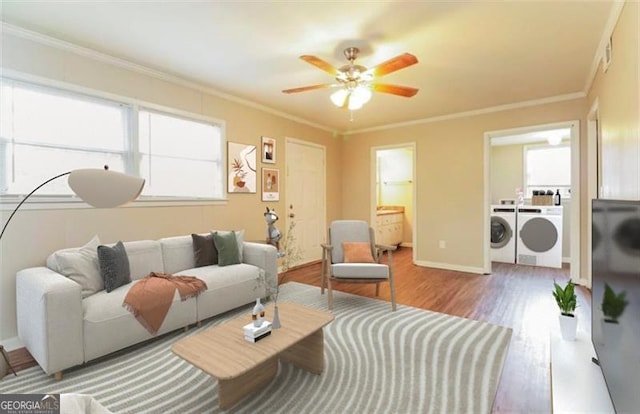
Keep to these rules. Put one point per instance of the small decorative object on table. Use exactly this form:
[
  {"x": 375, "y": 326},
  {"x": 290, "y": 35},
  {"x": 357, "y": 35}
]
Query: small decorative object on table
[
  {"x": 258, "y": 314},
  {"x": 567, "y": 302},
  {"x": 254, "y": 333}
]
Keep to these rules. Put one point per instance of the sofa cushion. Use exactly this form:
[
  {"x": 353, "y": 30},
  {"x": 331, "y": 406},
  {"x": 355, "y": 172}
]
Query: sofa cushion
[
  {"x": 114, "y": 266},
  {"x": 227, "y": 287},
  {"x": 227, "y": 246},
  {"x": 108, "y": 326},
  {"x": 82, "y": 267},
  {"x": 145, "y": 256},
  {"x": 177, "y": 253},
  {"x": 204, "y": 250}
]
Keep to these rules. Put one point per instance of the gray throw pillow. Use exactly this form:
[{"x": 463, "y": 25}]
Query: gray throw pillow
[
  {"x": 227, "y": 245},
  {"x": 114, "y": 266},
  {"x": 204, "y": 250}
]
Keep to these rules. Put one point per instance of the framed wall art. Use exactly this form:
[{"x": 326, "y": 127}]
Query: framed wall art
[
  {"x": 268, "y": 150},
  {"x": 242, "y": 168},
  {"x": 270, "y": 184}
]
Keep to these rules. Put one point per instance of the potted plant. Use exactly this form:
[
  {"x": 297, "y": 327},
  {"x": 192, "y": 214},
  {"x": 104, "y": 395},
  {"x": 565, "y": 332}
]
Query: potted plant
[{"x": 567, "y": 302}]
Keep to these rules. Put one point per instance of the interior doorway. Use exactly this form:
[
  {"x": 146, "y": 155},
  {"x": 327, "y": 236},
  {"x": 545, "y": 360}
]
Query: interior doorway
[
  {"x": 531, "y": 136},
  {"x": 306, "y": 197},
  {"x": 393, "y": 186}
]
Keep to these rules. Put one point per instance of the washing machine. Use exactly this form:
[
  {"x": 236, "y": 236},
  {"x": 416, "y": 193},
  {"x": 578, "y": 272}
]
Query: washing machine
[
  {"x": 539, "y": 237},
  {"x": 503, "y": 233}
]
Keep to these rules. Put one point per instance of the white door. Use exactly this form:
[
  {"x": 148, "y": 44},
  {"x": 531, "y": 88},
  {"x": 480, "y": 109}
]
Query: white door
[{"x": 305, "y": 197}]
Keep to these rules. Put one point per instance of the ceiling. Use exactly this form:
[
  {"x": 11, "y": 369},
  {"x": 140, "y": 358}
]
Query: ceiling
[{"x": 472, "y": 54}]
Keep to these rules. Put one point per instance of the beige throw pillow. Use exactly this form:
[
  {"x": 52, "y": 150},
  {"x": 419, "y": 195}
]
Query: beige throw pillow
[
  {"x": 82, "y": 267},
  {"x": 357, "y": 252}
]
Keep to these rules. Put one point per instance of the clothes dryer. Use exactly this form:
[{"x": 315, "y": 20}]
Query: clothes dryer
[
  {"x": 539, "y": 241},
  {"x": 503, "y": 233}
]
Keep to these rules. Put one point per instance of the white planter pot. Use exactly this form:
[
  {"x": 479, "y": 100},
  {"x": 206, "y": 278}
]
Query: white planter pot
[{"x": 568, "y": 327}]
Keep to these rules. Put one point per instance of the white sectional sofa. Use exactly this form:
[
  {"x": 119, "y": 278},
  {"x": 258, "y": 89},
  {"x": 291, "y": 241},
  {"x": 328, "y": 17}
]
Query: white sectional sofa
[{"x": 62, "y": 329}]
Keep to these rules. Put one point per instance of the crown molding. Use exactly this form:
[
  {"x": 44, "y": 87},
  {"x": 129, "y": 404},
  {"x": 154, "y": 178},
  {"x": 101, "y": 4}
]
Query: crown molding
[
  {"x": 134, "y": 67},
  {"x": 475, "y": 112},
  {"x": 614, "y": 15}
]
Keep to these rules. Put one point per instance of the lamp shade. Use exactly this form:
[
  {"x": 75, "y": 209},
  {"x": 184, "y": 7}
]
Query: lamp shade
[{"x": 104, "y": 188}]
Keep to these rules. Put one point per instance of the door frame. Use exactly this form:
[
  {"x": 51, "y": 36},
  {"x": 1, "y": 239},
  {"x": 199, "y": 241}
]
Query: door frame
[
  {"x": 287, "y": 163},
  {"x": 576, "y": 205},
  {"x": 372, "y": 192},
  {"x": 593, "y": 174}
]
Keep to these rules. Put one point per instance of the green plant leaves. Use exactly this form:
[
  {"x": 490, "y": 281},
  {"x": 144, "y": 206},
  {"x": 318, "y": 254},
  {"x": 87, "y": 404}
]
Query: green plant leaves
[{"x": 565, "y": 298}]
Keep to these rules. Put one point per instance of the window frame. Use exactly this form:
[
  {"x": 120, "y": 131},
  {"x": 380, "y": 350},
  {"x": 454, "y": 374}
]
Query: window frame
[
  {"x": 131, "y": 156},
  {"x": 525, "y": 184}
]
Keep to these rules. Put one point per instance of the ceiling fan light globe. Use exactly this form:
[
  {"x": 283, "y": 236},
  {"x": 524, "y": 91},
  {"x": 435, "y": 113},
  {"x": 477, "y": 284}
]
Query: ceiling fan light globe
[
  {"x": 361, "y": 95},
  {"x": 339, "y": 96}
]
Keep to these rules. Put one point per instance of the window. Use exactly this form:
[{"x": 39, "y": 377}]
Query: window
[
  {"x": 179, "y": 157},
  {"x": 547, "y": 167},
  {"x": 46, "y": 131}
]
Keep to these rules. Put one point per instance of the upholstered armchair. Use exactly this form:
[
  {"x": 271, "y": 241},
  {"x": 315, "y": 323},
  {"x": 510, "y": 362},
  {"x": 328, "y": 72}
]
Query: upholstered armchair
[{"x": 351, "y": 256}]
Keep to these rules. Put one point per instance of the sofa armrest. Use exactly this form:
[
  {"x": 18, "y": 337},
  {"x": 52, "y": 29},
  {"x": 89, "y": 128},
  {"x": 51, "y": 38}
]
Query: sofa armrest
[
  {"x": 265, "y": 256},
  {"x": 49, "y": 312}
]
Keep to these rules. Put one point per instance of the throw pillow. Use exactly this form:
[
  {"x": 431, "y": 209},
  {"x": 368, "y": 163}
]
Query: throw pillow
[
  {"x": 114, "y": 266},
  {"x": 204, "y": 250},
  {"x": 227, "y": 246},
  {"x": 82, "y": 267},
  {"x": 357, "y": 252},
  {"x": 239, "y": 239}
]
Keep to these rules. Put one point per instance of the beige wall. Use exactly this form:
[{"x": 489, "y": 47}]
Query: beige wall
[
  {"x": 507, "y": 174},
  {"x": 34, "y": 234},
  {"x": 618, "y": 95},
  {"x": 449, "y": 177}
]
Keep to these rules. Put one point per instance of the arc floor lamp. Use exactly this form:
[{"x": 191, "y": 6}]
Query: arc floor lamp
[{"x": 99, "y": 188}]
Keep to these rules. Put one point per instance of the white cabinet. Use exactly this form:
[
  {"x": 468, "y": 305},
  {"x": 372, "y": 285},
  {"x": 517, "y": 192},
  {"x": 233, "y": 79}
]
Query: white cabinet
[{"x": 389, "y": 228}]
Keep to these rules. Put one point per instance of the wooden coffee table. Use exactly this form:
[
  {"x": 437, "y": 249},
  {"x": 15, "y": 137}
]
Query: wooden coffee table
[{"x": 243, "y": 367}]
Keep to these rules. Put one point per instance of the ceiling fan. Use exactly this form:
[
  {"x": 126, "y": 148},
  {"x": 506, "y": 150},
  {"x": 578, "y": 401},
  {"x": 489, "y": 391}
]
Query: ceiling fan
[{"x": 356, "y": 82}]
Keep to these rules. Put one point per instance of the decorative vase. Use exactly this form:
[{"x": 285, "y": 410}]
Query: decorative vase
[
  {"x": 568, "y": 327},
  {"x": 276, "y": 318},
  {"x": 258, "y": 314}
]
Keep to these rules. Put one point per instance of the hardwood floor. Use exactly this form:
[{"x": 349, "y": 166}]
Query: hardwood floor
[{"x": 514, "y": 296}]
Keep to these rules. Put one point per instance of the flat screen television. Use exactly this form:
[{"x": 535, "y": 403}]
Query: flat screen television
[{"x": 615, "y": 293}]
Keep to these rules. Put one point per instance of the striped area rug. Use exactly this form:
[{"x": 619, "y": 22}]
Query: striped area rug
[{"x": 376, "y": 361}]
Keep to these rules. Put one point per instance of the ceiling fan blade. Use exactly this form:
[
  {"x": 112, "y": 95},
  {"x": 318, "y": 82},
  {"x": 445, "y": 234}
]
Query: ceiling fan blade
[
  {"x": 394, "y": 64},
  {"x": 308, "y": 88},
  {"x": 394, "y": 89},
  {"x": 317, "y": 62}
]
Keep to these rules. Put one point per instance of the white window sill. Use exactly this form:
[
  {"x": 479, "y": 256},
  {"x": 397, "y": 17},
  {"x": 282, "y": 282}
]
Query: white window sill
[{"x": 9, "y": 203}]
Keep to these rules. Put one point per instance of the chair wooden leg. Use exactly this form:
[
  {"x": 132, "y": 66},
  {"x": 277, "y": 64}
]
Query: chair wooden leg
[
  {"x": 322, "y": 271},
  {"x": 378, "y": 289},
  {"x": 330, "y": 293},
  {"x": 392, "y": 285}
]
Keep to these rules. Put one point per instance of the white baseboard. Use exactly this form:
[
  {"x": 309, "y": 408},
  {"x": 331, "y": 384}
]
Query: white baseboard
[
  {"x": 407, "y": 244},
  {"x": 448, "y": 266},
  {"x": 566, "y": 260},
  {"x": 12, "y": 343}
]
